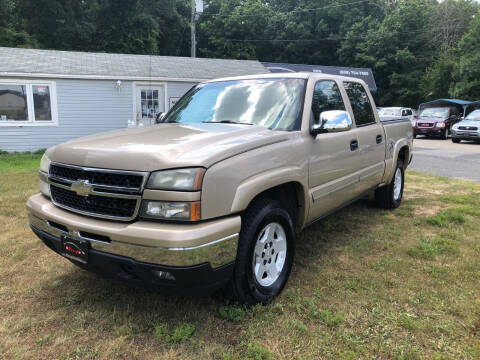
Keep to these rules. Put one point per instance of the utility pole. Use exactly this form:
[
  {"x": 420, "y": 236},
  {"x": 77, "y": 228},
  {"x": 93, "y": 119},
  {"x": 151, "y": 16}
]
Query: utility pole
[
  {"x": 193, "y": 41},
  {"x": 197, "y": 10}
]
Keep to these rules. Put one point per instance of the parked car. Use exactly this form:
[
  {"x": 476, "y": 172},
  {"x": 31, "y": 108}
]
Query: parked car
[
  {"x": 398, "y": 112},
  {"x": 213, "y": 196},
  {"x": 467, "y": 129},
  {"x": 436, "y": 121}
]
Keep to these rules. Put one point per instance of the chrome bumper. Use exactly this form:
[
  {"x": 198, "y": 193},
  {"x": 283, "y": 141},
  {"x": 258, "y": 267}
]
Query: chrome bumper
[{"x": 213, "y": 242}]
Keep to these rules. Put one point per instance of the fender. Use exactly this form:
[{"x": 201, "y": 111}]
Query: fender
[
  {"x": 392, "y": 157},
  {"x": 252, "y": 186}
]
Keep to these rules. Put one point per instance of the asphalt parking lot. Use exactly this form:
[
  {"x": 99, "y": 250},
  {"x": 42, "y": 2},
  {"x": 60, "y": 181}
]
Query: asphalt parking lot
[{"x": 442, "y": 157}]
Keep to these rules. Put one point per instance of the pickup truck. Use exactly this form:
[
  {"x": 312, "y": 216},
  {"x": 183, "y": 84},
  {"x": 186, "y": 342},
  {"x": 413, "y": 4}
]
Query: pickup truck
[{"x": 214, "y": 196}]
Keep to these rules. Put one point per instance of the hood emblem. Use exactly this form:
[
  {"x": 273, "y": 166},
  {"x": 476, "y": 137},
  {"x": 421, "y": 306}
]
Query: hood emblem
[{"x": 82, "y": 187}]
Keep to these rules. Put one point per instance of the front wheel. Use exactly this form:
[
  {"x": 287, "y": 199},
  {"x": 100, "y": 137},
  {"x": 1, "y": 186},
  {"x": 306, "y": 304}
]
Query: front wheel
[
  {"x": 444, "y": 134},
  {"x": 390, "y": 196},
  {"x": 265, "y": 253},
  {"x": 456, "y": 141}
]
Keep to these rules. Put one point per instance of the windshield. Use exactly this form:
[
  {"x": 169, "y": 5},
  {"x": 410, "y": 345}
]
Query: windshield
[
  {"x": 390, "y": 112},
  {"x": 473, "y": 116},
  {"x": 273, "y": 103},
  {"x": 441, "y": 113}
]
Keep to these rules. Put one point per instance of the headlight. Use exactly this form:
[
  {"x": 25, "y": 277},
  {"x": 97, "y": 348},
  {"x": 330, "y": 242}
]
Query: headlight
[
  {"x": 45, "y": 163},
  {"x": 440, "y": 124},
  {"x": 43, "y": 176},
  {"x": 168, "y": 210},
  {"x": 455, "y": 127},
  {"x": 179, "y": 179}
]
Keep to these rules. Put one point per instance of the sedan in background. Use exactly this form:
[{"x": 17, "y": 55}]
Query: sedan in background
[
  {"x": 436, "y": 121},
  {"x": 467, "y": 129}
]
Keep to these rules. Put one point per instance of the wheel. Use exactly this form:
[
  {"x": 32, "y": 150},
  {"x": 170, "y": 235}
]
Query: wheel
[
  {"x": 456, "y": 141},
  {"x": 390, "y": 196},
  {"x": 414, "y": 136},
  {"x": 264, "y": 255}
]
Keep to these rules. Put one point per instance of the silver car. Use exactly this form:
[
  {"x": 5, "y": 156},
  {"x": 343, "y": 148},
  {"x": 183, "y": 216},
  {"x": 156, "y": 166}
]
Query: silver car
[{"x": 467, "y": 129}]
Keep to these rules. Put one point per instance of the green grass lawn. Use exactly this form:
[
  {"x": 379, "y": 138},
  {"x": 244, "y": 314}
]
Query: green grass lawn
[{"x": 366, "y": 283}]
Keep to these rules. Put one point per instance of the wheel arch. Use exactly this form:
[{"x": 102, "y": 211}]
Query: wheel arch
[{"x": 279, "y": 185}]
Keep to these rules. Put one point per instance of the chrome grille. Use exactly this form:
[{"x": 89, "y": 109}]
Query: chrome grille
[
  {"x": 104, "y": 193},
  {"x": 424, "y": 125},
  {"x": 467, "y": 128}
]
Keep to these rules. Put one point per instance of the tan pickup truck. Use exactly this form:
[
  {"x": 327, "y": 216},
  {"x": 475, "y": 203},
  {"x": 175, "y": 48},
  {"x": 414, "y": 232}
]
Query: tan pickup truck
[{"x": 213, "y": 196}]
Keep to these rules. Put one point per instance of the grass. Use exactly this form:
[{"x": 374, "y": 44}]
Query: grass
[{"x": 366, "y": 283}]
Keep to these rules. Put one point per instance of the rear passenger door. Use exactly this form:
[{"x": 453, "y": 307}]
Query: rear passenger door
[{"x": 370, "y": 135}]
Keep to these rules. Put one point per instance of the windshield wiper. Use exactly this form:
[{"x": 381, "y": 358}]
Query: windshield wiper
[{"x": 226, "y": 122}]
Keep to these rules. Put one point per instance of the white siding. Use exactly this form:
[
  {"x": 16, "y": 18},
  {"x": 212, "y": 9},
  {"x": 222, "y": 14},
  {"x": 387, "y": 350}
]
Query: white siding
[{"x": 85, "y": 107}]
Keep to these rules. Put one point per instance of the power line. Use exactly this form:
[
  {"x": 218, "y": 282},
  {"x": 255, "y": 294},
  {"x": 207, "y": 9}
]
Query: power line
[
  {"x": 296, "y": 10},
  {"x": 339, "y": 38}
]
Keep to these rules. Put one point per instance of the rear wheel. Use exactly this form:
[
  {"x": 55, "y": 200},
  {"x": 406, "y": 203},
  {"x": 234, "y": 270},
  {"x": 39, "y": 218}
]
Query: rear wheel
[
  {"x": 390, "y": 196},
  {"x": 265, "y": 253}
]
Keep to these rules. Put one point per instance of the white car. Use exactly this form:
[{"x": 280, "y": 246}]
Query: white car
[{"x": 394, "y": 112}]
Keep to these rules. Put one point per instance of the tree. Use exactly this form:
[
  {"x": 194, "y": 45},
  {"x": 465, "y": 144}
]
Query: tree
[{"x": 467, "y": 74}]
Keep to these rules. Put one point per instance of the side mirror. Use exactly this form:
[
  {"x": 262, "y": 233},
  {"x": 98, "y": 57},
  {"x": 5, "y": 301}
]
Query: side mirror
[
  {"x": 159, "y": 117},
  {"x": 332, "y": 121}
]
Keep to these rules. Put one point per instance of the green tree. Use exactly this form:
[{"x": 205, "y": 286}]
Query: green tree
[{"x": 467, "y": 74}]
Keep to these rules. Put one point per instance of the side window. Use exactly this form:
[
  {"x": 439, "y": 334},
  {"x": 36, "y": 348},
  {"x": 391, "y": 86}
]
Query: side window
[
  {"x": 409, "y": 112},
  {"x": 326, "y": 96},
  {"x": 361, "y": 107}
]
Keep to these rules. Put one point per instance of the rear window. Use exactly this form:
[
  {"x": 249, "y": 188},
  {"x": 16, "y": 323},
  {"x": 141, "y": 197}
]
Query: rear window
[{"x": 361, "y": 107}]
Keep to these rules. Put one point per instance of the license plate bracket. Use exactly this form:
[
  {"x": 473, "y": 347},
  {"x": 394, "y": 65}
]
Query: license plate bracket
[{"x": 75, "y": 249}]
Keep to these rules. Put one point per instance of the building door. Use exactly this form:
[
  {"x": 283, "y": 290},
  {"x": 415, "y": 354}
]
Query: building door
[{"x": 150, "y": 101}]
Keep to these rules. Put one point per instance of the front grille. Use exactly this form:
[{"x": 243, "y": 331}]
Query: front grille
[
  {"x": 97, "y": 176},
  {"x": 424, "y": 125},
  {"x": 96, "y": 192},
  {"x": 467, "y": 128},
  {"x": 94, "y": 204}
]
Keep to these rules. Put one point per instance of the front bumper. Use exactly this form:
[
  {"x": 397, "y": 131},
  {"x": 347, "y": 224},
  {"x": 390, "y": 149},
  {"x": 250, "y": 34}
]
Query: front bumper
[
  {"x": 465, "y": 135},
  {"x": 430, "y": 131},
  {"x": 213, "y": 243}
]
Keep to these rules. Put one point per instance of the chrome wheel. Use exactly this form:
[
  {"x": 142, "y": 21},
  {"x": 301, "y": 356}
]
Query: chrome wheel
[
  {"x": 397, "y": 184},
  {"x": 269, "y": 254}
]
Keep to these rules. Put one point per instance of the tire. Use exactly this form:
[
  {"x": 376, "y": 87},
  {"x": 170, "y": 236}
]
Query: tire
[
  {"x": 414, "y": 136},
  {"x": 456, "y": 141},
  {"x": 389, "y": 196},
  {"x": 263, "y": 217}
]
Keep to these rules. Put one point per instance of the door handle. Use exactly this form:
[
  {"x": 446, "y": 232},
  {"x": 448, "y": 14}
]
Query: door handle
[
  {"x": 379, "y": 139},
  {"x": 354, "y": 145}
]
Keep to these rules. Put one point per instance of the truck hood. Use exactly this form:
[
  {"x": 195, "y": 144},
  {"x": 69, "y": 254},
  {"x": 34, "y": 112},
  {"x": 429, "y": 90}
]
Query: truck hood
[{"x": 164, "y": 146}]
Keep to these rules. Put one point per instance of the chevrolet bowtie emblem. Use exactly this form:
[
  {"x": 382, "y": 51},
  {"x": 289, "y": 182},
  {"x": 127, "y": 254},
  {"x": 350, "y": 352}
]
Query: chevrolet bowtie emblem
[{"x": 82, "y": 187}]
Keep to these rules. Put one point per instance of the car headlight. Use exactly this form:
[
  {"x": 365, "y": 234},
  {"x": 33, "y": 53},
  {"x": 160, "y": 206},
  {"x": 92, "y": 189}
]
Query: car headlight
[
  {"x": 440, "y": 124},
  {"x": 455, "y": 127},
  {"x": 43, "y": 176},
  {"x": 189, "y": 179},
  {"x": 170, "y": 210}
]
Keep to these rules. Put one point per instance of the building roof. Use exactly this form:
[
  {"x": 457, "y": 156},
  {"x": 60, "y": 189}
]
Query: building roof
[
  {"x": 70, "y": 64},
  {"x": 440, "y": 102}
]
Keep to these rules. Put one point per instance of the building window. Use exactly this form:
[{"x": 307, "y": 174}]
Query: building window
[{"x": 27, "y": 103}]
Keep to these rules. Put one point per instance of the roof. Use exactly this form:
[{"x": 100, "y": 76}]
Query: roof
[
  {"x": 70, "y": 64},
  {"x": 291, "y": 75},
  {"x": 365, "y": 74},
  {"x": 440, "y": 102}
]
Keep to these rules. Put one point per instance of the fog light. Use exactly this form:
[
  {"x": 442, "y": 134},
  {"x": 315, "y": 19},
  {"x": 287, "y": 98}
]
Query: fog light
[{"x": 164, "y": 275}]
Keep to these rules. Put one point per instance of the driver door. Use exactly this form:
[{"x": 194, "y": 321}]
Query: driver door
[{"x": 333, "y": 157}]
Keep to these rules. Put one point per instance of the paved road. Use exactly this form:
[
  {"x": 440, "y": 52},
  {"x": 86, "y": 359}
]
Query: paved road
[{"x": 442, "y": 157}]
